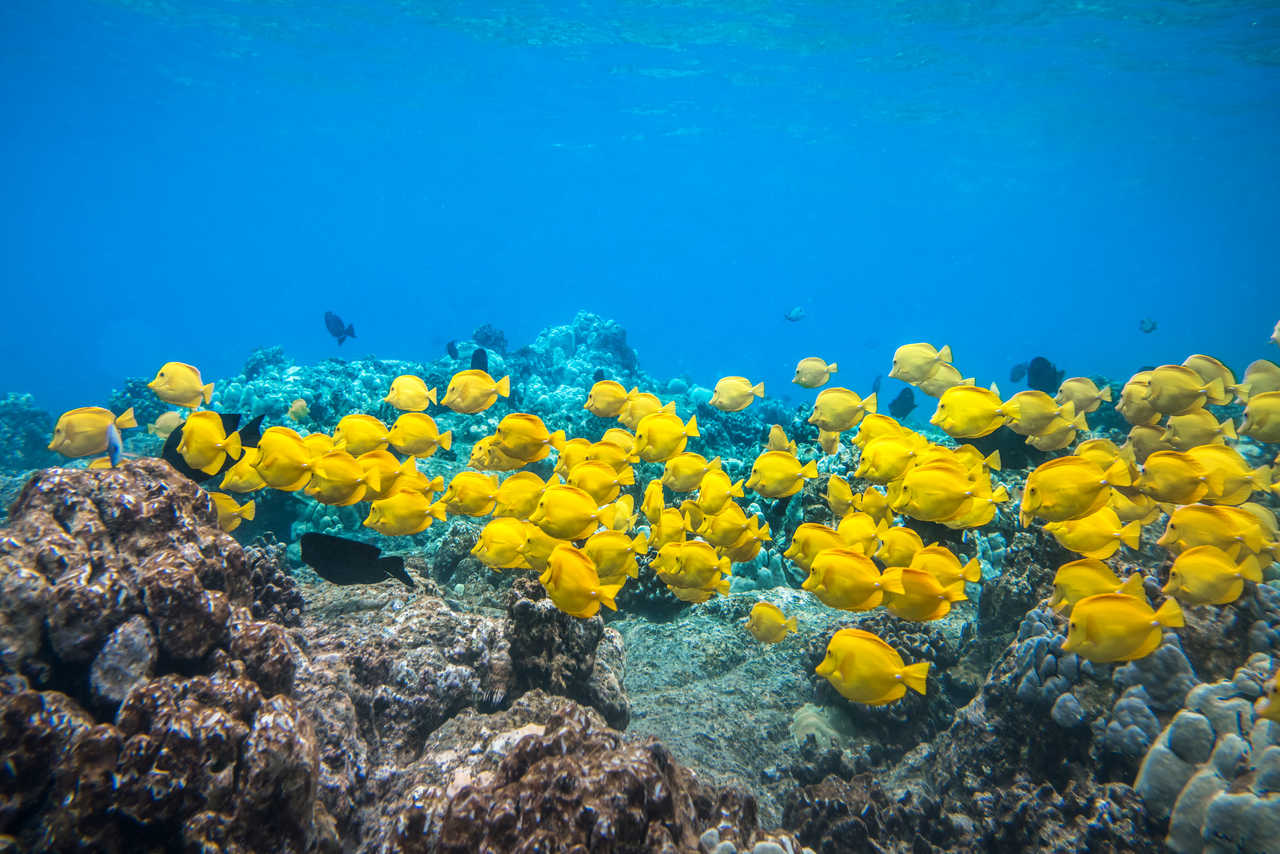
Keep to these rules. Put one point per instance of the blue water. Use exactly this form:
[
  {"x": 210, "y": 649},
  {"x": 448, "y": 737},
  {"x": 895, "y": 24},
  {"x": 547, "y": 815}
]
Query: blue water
[{"x": 190, "y": 181}]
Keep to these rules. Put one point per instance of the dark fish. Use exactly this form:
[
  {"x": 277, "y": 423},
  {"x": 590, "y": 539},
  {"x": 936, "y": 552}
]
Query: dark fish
[
  {"x": 452, "y": 349},
  {"x": 1147, "y": 325},
  {"x": 1017, "y": 372},
  {"x": 900, "y": 407},
  {"x": 875, "y": 386},
  {"x": 249, "y": 437},
  {"x": 115, "y": 448},
  {"x": 598, "y": 375},
  {"x": 480, "y": 360},
  {"x": 795, "y": 314},
  {"x": 1042, "y": 375},
  {"x": 337, "y": 328},
  {"x": 342, "y": 561}
]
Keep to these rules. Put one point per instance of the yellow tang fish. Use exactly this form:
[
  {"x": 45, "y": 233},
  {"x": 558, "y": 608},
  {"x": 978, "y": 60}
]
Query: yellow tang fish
[
  {"x": 1231, "y": 479},
  {"x": 600, "y": 479},
  {"x": 1262, "y": 418},
  {"x": 1088, "y": 577},
  {"x": 923, "y": 597},
  {"x": 339, "y": 479},
  {"x": 471, "y": 494},
  {"x": 1110, "y": 627},
  {"x": 1097, "y": 535},
  {"x": 874, "y": 503},
  {"x": 943, "y": 379},
  {"x": 606, "y": 399},
  {"x": 317, "y": 443},
  {"x": 913, "y": 363},
  {"x": 812, "y": 372},
  {"x": 539, "y": 546},
  {"x": 525, "y": 437},
  {"x": 1206, "y": 575},
  {"x": 768, "y": 624},
  {"x": 410, "y": 394},
  {"x": 1210, "y": 368},
  {"x": 898, "y": 545},
  {"x": 1176, "y": 390},
  {"x": 1133, "y": 401},
  {"x": 180, "y": 384},
  {"x": 284, "y": 460},
  {"x": 1083, "y": 393},
  {"x": 1144, "y": 440},
  {"x": 568, "y": 455},
  {"x": 969, "y": 412},
  {"x": 518, "y": 495},
  {"x": 1268, "y": 705},
  {"x": 615, "y": 553},
  {"x": 848, "y": 580},
  {"x": 670, "y": 528},
  {"x": 83, "y": 432},
  {"x": 231, "y": 514},
  {"x": 243, "y": 477},
  {"x": 403, "y": 513},
  {"x": 747, "y": 546},
  {"x": 1261, "y": 377},
  {"x": 839, "y": 496},
  {"x": 488, "y": 455},
  {"x": 416, "y": 434},
  {"x": 1059, "y": 435},
  {"x": 829, "y": 442},
  {"x": 205, "y": 446},
  {"x": 860, "y": 531},
  {"x": 501, "y": 544},
  {"x": 734, "y": 394},
  {"x": 714, "y": 491},
  {"x": 1102, "y": 452},
  {"x": 684, "y": 472},
  {"x": 640, "y": 404},
  {"x": 619, "y": 438},
  {"x": 1197, "y": 427},
  {"x": 778, "y": 441},
  {"x": 1037, "y": 412},
  {"x": 1134, "y": 508},
  {"x": 777, "y": 474},
  {"x": 474, "y": 391},
  {"x": 838, "y": 409},
  {"x": 940, "y": 562},
  {"x": 1175, "y": 477},
  {"x": 653, "y": 502},
  {"x": 611, "y": 453},
  {"x": 1069, "y": 488},
  {"x": 887, "y": 458},
  {"x": 661, "y": 435},
  {"x": 165, "y": 423},
  {"x": 724, "y": 528},
  {"x": 936, "y": 491},
  {"x": 1221, "y": 526},
  {"x": 808, "y": 539},
  {"x": 865, "y": 669},
  {"x": 392, "y": 474},
  {"x": 358, "y": 433},
  {"x": 574, "y": 586},
  {"x": 692, "y": 564},
  {"x": 569, "y": 513}
]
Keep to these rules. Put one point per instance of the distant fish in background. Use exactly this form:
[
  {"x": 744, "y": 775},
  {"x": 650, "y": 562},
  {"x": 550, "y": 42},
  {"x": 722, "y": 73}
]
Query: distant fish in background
[
  {"x": 1042, "y": 375},
  {"x": 1017, "y": 372},
  {"x": 796, "y": 314},
  {"x": 480, "y": 360},
  {"x": 337, "y": 328},
  {"x": 249, "y": 437},
  {"x": 900, "y": 407},
  {"x": 342, "y": 561},
  {"x": 875, "y": 385},
  {"x": 598, "y": 375},
  {"x": 452, "y": 349},
  {"x": 1147, "y": 325},
  {"x": 115, "y": 446}
]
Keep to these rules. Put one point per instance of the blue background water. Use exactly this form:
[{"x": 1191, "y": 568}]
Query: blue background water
[{"x": 189, "y": 181}]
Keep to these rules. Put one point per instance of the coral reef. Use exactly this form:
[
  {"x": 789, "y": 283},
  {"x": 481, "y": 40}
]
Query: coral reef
[{"x": 24, "y": 434}]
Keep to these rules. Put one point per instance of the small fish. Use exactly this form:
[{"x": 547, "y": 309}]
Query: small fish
[
  {"x": 205, "y": 445},
  {"x": 359, "y": 433},
  {"x": 614, "y": 553},
  {"x": 474, "y": 391},
  {"x": 839, "y": 496},
  {"x": 231, "y": 514},
  {"x": 1111, "y": 627},
  {"x": 1088, "y": 577},
  {"x": 502, "y": 543},
  {"x": 1042, "y": 375},
  {"x": 812, "y": 372},
  {"x": 409, "y": 393},
  {"x": 795, "y": 314},
  {"x": 1177, "y": 478},
  {"x": 943, "y": 377},
  {"x": 568, "y": 512},
  {"x": 403, "y": 513},
  {"x": 1176, "y": 390},
  {"x": 768, "y": 624},
  {"x": 865, "y": 669},
  {"x": 734, "y": 394},
  {"x": 1262, "y": 417},
  {"x": 898, "y": 545},
  {"x": 846, "y": 579},
  {"x": 524, "y": 437},
  {"x": 970, "y": 412},
  {"x": 778, "y": 474},
  {"x": 1083, "y": 393},
  {"x": 900, "y": 407},
  {"x": 714, "y": 491},
  {"x": 342, "y": 561},
  {"x": 573, "y": 584},
  {"x": 1268, "y": 705},
  {"x": 838, "y": 409},
  {"x": 1098, "y": 535},
  {"x": 1069, "y": 488},
  {"x": 1197, "y": 427},
  {"x": 298, "y": 410},
  {"x": 284, "y": 460},
  {"x": 165, "y": 423},
  {"x": 83, "y": 432},
  {"x": 661, "y": 435},
  {"x": 778, "y": 441},
  {"x": 606, "y": 398},
  {"x": 180, "y": 384},
  {"x": 337, "y": 328},
  {"x": 480, "y": 359},
  {"x": 923, "y": 598},
  {"x": 1147, "y": 325},
  {"x": 913, "y": 363},
  {"x": 1206, "y": 575}
]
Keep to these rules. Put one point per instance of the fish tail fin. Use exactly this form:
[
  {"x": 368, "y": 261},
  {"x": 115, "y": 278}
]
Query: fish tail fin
[
  {"x": 445, "y": 439},
  {"x": 640, "y": 544},
  {"x": 1228, "y": 428},
  {"x": 1079, "y": 423},
  {"x": 248, "y": 509},
  {"x": 1250, "y": 570},
  {"x": 758, "y": 389},
  {"x": 915, "y": 676},
  {"x": 126, "y": 420},
  {"x": 436, "y": 511},
  {"x": 1169, "y": 614},
  {"x": 1104, "y": 393},
  {"x": 762, "y": 532},
  {"x": 207, "y": 392},
  {"x": 722, "y": 586},
  {"x": 944, "y": 355},
  {"x": 809, "y": 470},
  {"x": 1133, "y": 586},
  {"x": 504, "y": 387},
  {"x": 869, "y": 403},
  {"x": 955, "y": 591},
  {"x": 992, "y": 462},
  {"x": 791, "y": 624},
  {"x": 972, "y": 571},
  {"x": 557, "y": 439},
  {"x": 437, "y": 483},
  {"x": 891, "y": 580},
  {"x": 373, "y": 479},
  {"x": 691, "y": 429},
  {"x": 233, "y": 446},
  {"x": 431, "y": 396},
  {"x": 1131, "y": 535},
  {"x": 1243, "y": 392},
  {"x": 607, "y": 592},
  {"x": 1118, "y": 474},
  {"x": 716, "y": 464},
  {"x": 627, "y": 476},
  {"x": 831, "y": 368},
  {"x": 1216, "y": 389},
  {"x": 1000, "y": 495}
]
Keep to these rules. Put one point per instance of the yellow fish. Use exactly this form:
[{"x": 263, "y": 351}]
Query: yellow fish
[
  {"x": 284, "y": 460},
  {"x": 748, "y": 545},
  {"x": 1176, "y": 478},
  {"x": 1210, "y": 368},
  {"x": 243, "y": 477},
  {"x": 1134, "y": 508},
  {"x": 474, "y": 391},
  {"x": 180, "y": 384},
  {"x": 1230, "y": 478},
  {"x": 471, "y": 493},
  {"x": 1037, "y": 412},
  {"x": 1144, "y": 440},
  {"x": 501, "y": 544},
  {"x": 409, "y": 479},
  {"x": 1197, "y": 427},
  {"x": 1268, "y": 705},
  {"x": 1261, "y": 377},
  {"x": 808, "y": 540},
  {"x": 898, "y": 545},
  {"x": 734, "y": 394},
  {"x": 1101, "y": 452},
  {"x": 317, "y": 443},
  {"x": 670, "y": 528},
  {"x": 942, "y": 564},
  {"x": 614, "y": 455},
  {"x": 1059, "y": 435},
  {"x": 569, "y": 513},
  {"x": 838, "y": 409},
  {"x": 525, "y": 437},
  {"x": 165, "y": 423},
  {"x": 937, "y": 491},
  {"x": 839, "y": 496},
  {"x": 1262, "y": 417},
  {"x": 661, "y": 435},
  {"x": 1089, "y": 577},
  {"x": 812, "y": 372},
  {"x": 619, "y": 438},
  {"x": 913, "y": 363},
  {"x": 653, "y": 502},
  {"x": 1176, "y": 390},
  {"x": 715, "y": 491},
  {"x": 1097, "y": 535},
  {"x": 600, "y": 480},
  {"x": 865, "y": 669},
  {"x": 943, "y": 378},
  {"x": 726, "y": 527},
  {"x": 410, "y": 394},
  {"x": 684, "y": 472},
  {"x": 860, "y": 532},
  {"x": 692, "y": 564},
  {"x": 923, "y": 597},
  {"x": 615, "y": 553},
  {"x": 574, "y": 586},
  {"x": 1069, "y": 488},
  {"x": 638, "y": 405},
  {"x": 204, "y": 445},
  {"x": 829, "y": 442},
  {"x": 357, "y": 434},
  {"x": 887, "y": 458},
  {"x": 298, "y": 410},
  {"x": 403, "y": 513},
  {"x": 337, "y": 478},
  {"x": 231, "y": 514},
  {"x": 606, "y": 399},
  {"x": 416, "y": 434},
  {"x": 1205, "y": 525},
  {"x": 518, "y": 495},
  {"x": 847, "y": 579},
  {"x": 1083, "y": 394},
  {"x": 488, "y": 455},
  {"x": 969, "y": 412},
  {"x": 777, "y": 474},
  {"x": 392, "y": 474},
  {"x": 83, "y": 432},
  {"x": 539, "y": 546},
  {"x": 778, "y": 441},
  {"x": 1110, "y": 627},
  {"x": 568, "y": 455},
  {"x": 1206, "y": 575},
  {"x": 1133, "y": 400},
  {"x": 768, "y": 624},
  {"x": 874, "y": 503}
]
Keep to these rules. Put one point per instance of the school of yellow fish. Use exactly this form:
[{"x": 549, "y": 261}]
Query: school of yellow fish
[{"x": 578, "y": 530}]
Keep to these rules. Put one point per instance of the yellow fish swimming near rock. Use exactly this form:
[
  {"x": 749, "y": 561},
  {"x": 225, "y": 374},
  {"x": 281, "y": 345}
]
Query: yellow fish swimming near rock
[
  {"x": 83, "y": 432},
  {"x": 865, "y": 669},
  {"x": 180, "y": 384},
  {"x": 768, "y": 624}
]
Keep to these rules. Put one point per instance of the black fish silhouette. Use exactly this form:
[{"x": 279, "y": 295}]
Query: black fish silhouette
[
  {"x": 900, "y": 407},
  {"x": 480, "y": 360},
  {"x": 1018, "y": 371},
  {"x": 1042, "y": 375},
  {"x": 337, "y": 328},
  {"x": 342, "y": 561},
  {"x": 249, "y": 437}
]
